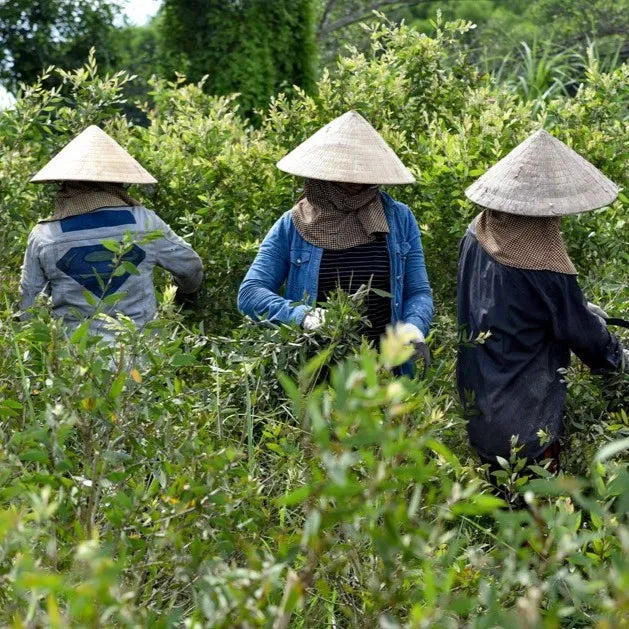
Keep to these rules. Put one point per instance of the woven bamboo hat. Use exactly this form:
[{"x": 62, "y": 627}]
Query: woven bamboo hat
[
  {"x": 350, "y": 150},
  {"x": 93, "y": 156},
  {"x": 543, "y": 177}
]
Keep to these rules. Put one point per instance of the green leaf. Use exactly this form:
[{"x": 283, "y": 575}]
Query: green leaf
[
  {"x": 80, "y": 333},
  {"x": 129, "y": 267},
  {"x": 314, "y": 364},
  {"x": 89, "y": 298},
  {"x": 151, "y": 236},
  {"x": 445, "y": 452},
  {"x": 9, "y": 408},
  {"x": 183, "y": 360},
  {"x": 478, "y": 504},
  {"x": 381, "y": 293},
  {"x": 34, "y": 455},
  {"x": 112, "y": 300},
  {"x": 296, "y": 496},
  {"x": 112, "y": 245},
  {"x": 117, "y": 385}
]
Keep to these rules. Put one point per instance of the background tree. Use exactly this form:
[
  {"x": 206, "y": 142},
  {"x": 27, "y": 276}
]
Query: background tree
[
  {"x": 575, "y": 22},
  {"x": 34, "y": 35},
  {"x": 251, "y": 46}
]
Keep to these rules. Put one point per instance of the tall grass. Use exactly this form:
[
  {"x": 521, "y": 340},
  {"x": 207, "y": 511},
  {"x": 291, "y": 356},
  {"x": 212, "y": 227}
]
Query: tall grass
[{"x": 540, "y": 72}]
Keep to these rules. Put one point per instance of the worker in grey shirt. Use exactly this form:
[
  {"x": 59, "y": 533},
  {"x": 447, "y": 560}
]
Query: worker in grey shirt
[{"x": 66, "y": 257}]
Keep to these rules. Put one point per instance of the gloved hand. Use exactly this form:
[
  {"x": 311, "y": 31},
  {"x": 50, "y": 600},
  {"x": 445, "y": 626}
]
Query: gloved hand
[
  {"x": 625, "y": 360},
  {"x": 597, "y": 310},
  {"x": 417, "y": 339},
  {"x": 187, "y": 300},
  {"x": 314, "y": 319}
]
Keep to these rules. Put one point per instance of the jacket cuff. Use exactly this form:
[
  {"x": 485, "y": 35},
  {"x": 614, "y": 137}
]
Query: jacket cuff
[{"x": 298, "y": 313}]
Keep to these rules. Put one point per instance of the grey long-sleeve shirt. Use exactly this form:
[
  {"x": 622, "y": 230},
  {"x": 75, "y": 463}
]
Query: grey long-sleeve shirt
[
  {"x": 65, "y": 258},
  {"x": 511, "y": 384}
]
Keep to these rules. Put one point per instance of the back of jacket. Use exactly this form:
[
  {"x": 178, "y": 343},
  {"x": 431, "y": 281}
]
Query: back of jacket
[
  {"x": 65, "y": 258},
  {"x": 513, "y": 383}
]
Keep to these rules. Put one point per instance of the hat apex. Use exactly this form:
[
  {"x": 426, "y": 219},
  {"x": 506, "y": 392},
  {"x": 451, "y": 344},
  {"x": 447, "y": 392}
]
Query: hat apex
[
  {"x": 542, "y": 176},
  {"x": 347, "y": 149},
  {"x": 93, "y": 156}
]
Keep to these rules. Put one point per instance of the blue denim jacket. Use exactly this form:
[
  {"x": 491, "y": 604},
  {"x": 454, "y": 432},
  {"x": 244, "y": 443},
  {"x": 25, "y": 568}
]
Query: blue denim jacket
[{"x": 285, "y": 258}]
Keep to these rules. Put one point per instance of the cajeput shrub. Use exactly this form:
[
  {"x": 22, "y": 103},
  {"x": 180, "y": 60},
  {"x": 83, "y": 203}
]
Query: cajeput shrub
[{"x": 208, "y": 472}]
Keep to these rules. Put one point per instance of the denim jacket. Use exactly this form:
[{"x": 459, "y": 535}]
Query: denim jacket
[
  {"x": 65, "y": 258},
  {"x": 286, "y": 259}
]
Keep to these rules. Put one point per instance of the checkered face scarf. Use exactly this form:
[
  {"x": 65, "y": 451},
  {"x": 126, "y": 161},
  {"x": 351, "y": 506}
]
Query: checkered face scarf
[
  {"x": 81, "y": 197},
  {"x": 331, "y": 216},
  {"x": 524, "y": 242}
]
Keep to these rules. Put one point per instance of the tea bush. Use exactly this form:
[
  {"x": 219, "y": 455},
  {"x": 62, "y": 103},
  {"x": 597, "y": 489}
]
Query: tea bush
[{"x": 210, "y": 472}]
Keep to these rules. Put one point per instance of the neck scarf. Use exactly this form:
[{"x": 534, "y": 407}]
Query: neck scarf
[
  {"x": 332, "y": 217},
  {"x": 524, "y": 242},
  {"x": 81, "y": 197}
]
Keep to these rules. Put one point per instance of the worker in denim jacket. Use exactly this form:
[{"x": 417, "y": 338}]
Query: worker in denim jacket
[
  {"x": 66, "y": 258},
  {"x": 343, "y": 233}
]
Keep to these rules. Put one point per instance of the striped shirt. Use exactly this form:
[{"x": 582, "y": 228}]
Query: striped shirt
[{"x": 349, "y": 269}]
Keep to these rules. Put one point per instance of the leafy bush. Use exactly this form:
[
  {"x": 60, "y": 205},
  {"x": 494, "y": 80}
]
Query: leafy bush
[{"x": 207, "y": 471}]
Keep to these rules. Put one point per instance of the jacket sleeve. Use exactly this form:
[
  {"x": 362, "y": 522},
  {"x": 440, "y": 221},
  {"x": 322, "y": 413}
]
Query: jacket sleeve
[
  {"x": 575, "y": 325},
  {"x": 175, "y": 255},
  {"x": 32, "y": 281},
  {"x": 417, "y": 296},
  {"x": 258, "y": 296}
]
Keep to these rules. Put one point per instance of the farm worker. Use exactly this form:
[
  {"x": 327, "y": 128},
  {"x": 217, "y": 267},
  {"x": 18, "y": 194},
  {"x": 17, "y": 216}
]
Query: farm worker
[
  {"x": 344, "y": 232},
  {"x": 516, "y": 281},
  {"x": 65, "y": 256}
]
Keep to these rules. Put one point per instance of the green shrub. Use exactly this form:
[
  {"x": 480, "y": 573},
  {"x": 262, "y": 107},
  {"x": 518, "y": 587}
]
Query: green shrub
[{"x": 209, "y": 472}]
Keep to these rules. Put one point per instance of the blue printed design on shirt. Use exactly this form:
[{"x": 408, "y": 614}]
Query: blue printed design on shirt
[
  {"x": 86, "y": 264},
  {"x": 94, "y": 220}
]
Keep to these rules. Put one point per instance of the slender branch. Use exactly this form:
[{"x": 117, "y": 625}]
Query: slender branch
[
  {"x": 326, "y": 14},
  {"x": 326, "y": 29}
]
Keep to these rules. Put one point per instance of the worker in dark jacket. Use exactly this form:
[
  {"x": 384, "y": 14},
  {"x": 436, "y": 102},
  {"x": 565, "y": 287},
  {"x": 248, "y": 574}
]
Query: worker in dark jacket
[{"x": 517, "y": 282}]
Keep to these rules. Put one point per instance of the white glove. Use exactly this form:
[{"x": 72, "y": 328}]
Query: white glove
[
  {"x": 410, "y": 332},
  {"x": 597, "y": 310},
  {"x": 314, "y": 319},
  {"x": 625, "y": 360},
  {"x": 415, "y": 338}
]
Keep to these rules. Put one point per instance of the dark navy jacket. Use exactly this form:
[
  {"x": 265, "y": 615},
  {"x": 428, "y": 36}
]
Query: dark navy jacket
[{"x": 513, "y": 383}]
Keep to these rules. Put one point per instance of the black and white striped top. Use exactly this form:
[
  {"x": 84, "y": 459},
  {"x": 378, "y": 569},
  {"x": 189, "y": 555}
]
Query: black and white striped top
[{"x": 349, "y": 269}]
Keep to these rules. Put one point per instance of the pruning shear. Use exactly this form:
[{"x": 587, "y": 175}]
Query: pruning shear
[
  {"x": 623, "y": 323},
  {"x": 422, "y": 351}
]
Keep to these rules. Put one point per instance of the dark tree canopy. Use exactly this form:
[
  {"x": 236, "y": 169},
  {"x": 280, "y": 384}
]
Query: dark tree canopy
[
  {"x": 254, "y": 47},
  {"x": 34, "y": 35}
]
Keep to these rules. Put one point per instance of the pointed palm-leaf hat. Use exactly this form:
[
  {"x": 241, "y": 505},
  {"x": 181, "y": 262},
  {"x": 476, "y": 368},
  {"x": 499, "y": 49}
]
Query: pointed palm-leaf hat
[
  {"x": 543, "y": 177},
  {"x": 349, "y": 150},
  {"x": 93, "y": 156}
]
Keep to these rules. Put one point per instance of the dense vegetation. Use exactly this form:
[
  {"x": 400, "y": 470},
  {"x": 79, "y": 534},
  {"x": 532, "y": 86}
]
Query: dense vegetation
[
  {"x": 258, "y": 48},
  {"x": 217, "y": 473}
]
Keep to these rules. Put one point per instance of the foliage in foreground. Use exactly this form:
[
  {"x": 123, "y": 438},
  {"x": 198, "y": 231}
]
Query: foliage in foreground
[
  {"x": 177, "y": 478},
  {"x": 164, "y": 480}
]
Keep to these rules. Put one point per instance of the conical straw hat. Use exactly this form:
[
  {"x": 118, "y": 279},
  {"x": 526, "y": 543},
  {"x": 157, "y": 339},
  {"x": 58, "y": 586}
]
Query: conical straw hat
[
  {"x": 93, "y": 156},
  {"x": 350, "y": 150},
  {"x": 543, "y": 177}
]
